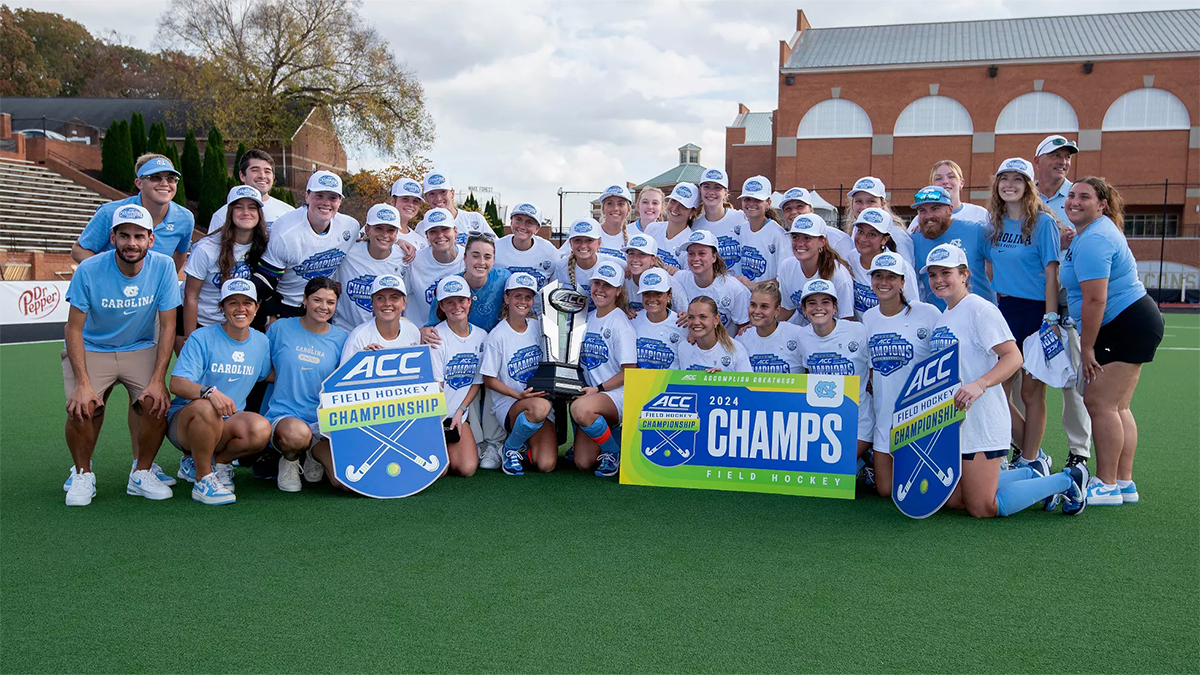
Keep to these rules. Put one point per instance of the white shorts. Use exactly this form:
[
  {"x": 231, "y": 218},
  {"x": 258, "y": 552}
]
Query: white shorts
[
  {"x": 618, "y": 398},
  {"x": 314, "y": 427},
  {"x": 866, "y": 419},
  {"x": 501, "y": 404}
]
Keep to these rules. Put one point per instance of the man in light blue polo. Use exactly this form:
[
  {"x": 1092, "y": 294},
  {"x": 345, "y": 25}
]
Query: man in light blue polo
[
  {"x": 117, "y": 297},
  {"x": 939, "y": 226},
  {"x": 156, "y": 182},
  {"x": 1051, "y": 164}
]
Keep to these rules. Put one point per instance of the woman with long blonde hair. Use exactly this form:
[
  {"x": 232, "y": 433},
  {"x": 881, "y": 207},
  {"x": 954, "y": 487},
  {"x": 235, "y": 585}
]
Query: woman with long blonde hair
[{"x": 709, "y": 346}]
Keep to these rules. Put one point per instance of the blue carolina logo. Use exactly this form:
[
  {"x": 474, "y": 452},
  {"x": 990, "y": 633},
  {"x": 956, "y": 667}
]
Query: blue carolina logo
[
  {"x": 437, "y": 217},
  {"x": 865, "y": 184},
  {"x": 889, "y": 352},
  {"x": 328, "y": 181},
  {"x": 453, "y": 286},
  {"x": 461, "y": 369},
  {"x": 752, "y": 262},
  {"x": 527, "y": 209},
  {"x": 653, "y": 278},
  {"x": 359, "y": 291},
  {"x": 696, "y": 236},
  {"x": 885, "y": 260},
  {"x": 754, "y": 186},
  {"x": 825, "y": 389},
  {"x": 683, "y": 191},
  {"x": 613, "y": 190},
  {"x": 437, "y": 179},
  {"x": 386, "y": 214},
  {"x": 653, "y": 354},
  {"x": 873, "y": 217},
  {"x": 130, "y": 212},
  {"x": 938, "y": 255},
  {"x": 524, "y": 362},
  {"x": 594, "y": 352},
  {"x": 638, "y": 240},
  {"x": 320, "y": 264},
  {"x": 713, "y": 174}
]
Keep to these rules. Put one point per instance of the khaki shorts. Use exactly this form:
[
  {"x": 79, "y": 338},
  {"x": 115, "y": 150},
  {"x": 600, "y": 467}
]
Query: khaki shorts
[{"x": 132, "y": 369}]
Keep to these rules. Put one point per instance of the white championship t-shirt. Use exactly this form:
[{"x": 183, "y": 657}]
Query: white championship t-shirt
[
  {"x": 608, "y": 344},
  {"x": 368, "y": 334},
  {"x": 456, "y": 363},
  {"x": 538, "y": 261},
  {"x": 512, "y": 358},
  {"x": 864, "y": 295},
  {"x": 778, "y": 352},
  {"x": 304, "y": 254},
  {"x": 470, "y": 222},
  {"x": 272, "y": 209},
  {"x": 356, "y": 273},
  {"x": 762, "y": 251},
  {"x": 791, "y": 285},
  {"x": 678, "y": 293},
  {"x": 658, "y": 343},
  {"x": 668, "y": 249},
  {"x": 204, "y": 264},
  {"x": 731, "y": 296},
  {"x": 421, "y": 281},
  {"x": 692, "y": 357},
  {"x": 728, "y": 231},
  {"x": 894, "y": 345},
  {"x": 842, "y": 352}
]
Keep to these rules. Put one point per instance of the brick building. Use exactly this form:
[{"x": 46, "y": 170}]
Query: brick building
[{"x": 889, "y": 101}]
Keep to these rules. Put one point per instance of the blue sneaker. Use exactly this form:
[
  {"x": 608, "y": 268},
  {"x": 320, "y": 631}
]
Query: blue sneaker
[
  {"x": 1101, "y": 494},
  {"x": 512, "y": 462},
  {"x": 209, "y": 490},
  {"x": 1129, "y": 493},
  {"x": 1041, "y": 467},
  {"x": 610, "y": 464},
  {"x": 187, "y": 469},
  {"x": 1075, "y": 499},
  {"x": 162, "y": 476}
]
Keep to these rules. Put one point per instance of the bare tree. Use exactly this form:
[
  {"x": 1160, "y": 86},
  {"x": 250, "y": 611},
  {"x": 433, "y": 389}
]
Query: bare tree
[{"x": 269, "y": 61}]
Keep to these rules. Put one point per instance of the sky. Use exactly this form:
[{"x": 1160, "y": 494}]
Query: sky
[{"x": 532, "y": 96}]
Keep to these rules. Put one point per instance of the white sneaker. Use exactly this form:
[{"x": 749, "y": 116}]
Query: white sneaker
[
  {"x": 83, "y": 488},
  {"x": 208, "y": 490},
  {"x": 163, "y": 476},
  {"x": 312, "y": 469},
  {"x": 288, "y": 478},
  {"x": 491, "y": 459},
  {"x": 224, "y": 474},
  {"x": 71, "y": 475},
  {"x": 146, "y": 484}
]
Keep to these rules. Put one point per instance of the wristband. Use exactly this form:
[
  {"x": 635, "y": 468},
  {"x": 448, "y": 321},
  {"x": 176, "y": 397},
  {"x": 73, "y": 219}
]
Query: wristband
[
  {"x": 1051, "y": 318},
  {"x": 207, "y": 391},
  {"x": 600, "y": 387}
]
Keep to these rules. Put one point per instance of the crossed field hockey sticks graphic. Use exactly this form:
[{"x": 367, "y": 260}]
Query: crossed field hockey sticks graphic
[
  {"x": 389, "y": 443},
  {"x": 946, "y": 477}
]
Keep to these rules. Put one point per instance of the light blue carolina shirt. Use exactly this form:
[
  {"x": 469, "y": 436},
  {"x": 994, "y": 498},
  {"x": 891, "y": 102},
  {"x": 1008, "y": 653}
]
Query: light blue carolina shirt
[
  {"x": 1019, "y": 265},
  {"x": 970, "y": 237},
  {"x": 121, "y": 311},
  {"x": 302, "y": 361},
  {"x": 1057, "y": 203},
  {"x": 210, "y": 358},
  {"x": 1101, "y": 252},
  {"x": 173, "y": 234},
  {"x": 485, "y": 302}
]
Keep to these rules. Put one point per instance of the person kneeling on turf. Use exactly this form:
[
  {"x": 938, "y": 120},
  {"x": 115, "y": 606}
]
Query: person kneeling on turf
[{"x": 216, "y": 369}]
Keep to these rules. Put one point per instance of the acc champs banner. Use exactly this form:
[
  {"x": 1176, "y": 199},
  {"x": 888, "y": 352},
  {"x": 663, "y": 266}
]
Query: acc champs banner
[
  {"x": 925, "y": 443},
  {"x": 382, "y": 411},
  {"x": 751, "y": 432}
]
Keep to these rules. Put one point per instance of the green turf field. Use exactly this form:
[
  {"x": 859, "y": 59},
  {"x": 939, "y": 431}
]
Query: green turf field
[{"x": 571, "y": 573}]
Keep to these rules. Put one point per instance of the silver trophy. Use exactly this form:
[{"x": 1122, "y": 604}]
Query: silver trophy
[{"x": 564, "y": 322}]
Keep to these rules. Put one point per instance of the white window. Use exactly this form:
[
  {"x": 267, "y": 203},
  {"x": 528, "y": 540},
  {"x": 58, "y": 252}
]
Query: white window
[
  {"x": 1146, "y": 110},
  {"x": 934, "y": 116},
  {"x": 835, "y": 118},
  {"x": 1038, "y": 112}
]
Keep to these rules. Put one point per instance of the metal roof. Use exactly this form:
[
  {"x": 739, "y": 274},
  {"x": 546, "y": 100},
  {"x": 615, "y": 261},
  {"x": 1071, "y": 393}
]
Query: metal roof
[
  {"x": 757, "y": 125},
  {"x": 683, "y": 173},
  {"x": 100, "y": 112},
  {"x": 1052, "y": 37}
]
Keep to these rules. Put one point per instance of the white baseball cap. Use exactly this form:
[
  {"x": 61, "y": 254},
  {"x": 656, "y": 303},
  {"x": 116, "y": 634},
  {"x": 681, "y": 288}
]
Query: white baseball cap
[
  {"x": 244, "y": 192},
  {"x": 887, "y": 261},
  {"x": 584, "y": 227},
  {"x": 944, "y": 255},
  {"x": 521, "y": 280},
  {"x": 1055, "y": 142},
  {"x": 616, "y": 191},
  {"x": 715, "y": 176},
  {"x": 452, "y": 286},
  {"x": 810, "y": 224},
  {"x": 383, "y": 214},
  {"x": 386, "y": 281},
  {"x": 436, "y": 218},
  {"x": 815, "y": 286},
  {"x": 325, "y": 181},
  {"x": 132, "y": 213},
  {"x": 797, "y": 194},
  {"x": 436, "y": 181},
  {"x": 407, "y": 187},
  {"x": 704, "y": 237},
  {"x": 644, "y": 243},
  {"x": 1018, "y": 165},
  {"x": 870, "y": 185},
  {"x": 526, "y": 209},
  {"x": 757, "y": 187},
  {"x": 610, "y": 272},
  {"x": 687, "y": 194},
  {"x": 237, "y": 286},
  {"x": 655, "y": 280},
  {"x": 875, "y": 217}
]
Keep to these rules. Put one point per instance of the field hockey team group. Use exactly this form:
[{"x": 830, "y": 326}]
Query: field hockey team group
[{"x": 681, "y": 280}]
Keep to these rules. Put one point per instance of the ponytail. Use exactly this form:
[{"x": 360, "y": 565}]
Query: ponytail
[{"x": 828, "y": 260}]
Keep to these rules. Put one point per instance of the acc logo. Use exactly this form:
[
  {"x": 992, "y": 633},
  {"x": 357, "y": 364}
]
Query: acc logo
[
  {"x": 885, "y": 260},
  {"x": 713, "y": 175},
  {"x": 853, "y": 346},
  {"x": 328, "y": 181},
  {"x": 386, "y": 214},
  {"x": 792, "y": 345},
  {"x": 638, "y": 240},
  {"x": 669, "y": 424},
  {"x": 130, "y": 212},
  {"x": 371, "y": 367},
  {"x": 726, "y": 360},
  {"x": 940, "y": 254},
  {"x": 873, "y": 217},
  {"x": 437, "y": 217},
  {"x": 865, "y": 184},
  {"x": 131, "y": 291},
  {"x": 753, "y": 186},
  {"x": 825, "y": 389},
  {"x": 453, "y": 286},
  {"x": 683, "y": 191},
  {"x": 436, "y": 179},
  {"x": 39, "y": 301},
  {"x": 239, "y": 357},
  {"x": 527, "y": 209}
]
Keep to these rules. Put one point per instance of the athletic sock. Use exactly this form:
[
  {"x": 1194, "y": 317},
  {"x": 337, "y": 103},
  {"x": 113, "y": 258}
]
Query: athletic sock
[
  {"x": 1021, "y": 494},
  {"x": 1124, "y": 483},
  {"x": 521, "y": 431},
  {"x": 598, "y": 431},
  {"x": 1016, "y": 473}
]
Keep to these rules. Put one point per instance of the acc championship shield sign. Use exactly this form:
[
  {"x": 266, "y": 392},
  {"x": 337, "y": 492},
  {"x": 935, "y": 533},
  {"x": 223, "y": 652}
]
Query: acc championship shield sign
[
  {"x": 750, "y": 432},
  {"x": 382, "y": 411},
  {"x": 926, "y": 459}
]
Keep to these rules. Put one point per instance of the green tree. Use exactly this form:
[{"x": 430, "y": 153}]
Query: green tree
[
  {"x": 137, "y": 134},
  {"x": 215, "y": 181},
  {"x": 234, "y": 181},
  {"x": 492, "y": 214},
  {"x": 180, "y": 192},
  {"x": 284, "y": 194},
  {"x": 125, "y": 160},
  {"x": 109, "y": 157},
  {"x": 157, "y": 142},
  {"x": 470, "y": 203},
  {"x": 192, "y": 167}
]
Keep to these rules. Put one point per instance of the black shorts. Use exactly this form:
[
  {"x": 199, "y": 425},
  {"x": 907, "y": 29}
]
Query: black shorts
[
  {"x": 1132, "y": 336},
  {"x": 277, "y": 308},
  {"x": 179, "y": 321},
  {"x": 987, "y": 454},
  {"x": 1024, "y": 317}
]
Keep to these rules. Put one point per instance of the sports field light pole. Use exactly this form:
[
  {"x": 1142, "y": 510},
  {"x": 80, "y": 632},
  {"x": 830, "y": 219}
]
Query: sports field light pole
[
  {"x": 1162, "y": 247},
  {"x": 560, "y": 212}
]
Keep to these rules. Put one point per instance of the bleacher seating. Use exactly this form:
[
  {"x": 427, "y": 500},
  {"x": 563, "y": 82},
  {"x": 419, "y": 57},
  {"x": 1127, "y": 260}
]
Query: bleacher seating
[{"x": 40, "y": 210}]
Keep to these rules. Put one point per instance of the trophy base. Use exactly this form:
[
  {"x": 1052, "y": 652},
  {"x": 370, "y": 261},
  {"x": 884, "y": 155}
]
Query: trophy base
[{"x": 558, "y": 380}]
